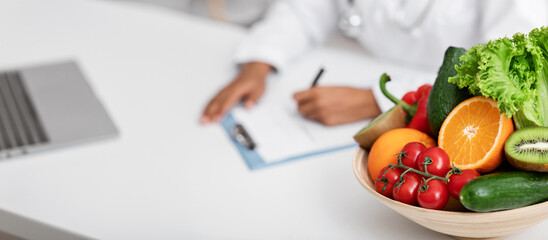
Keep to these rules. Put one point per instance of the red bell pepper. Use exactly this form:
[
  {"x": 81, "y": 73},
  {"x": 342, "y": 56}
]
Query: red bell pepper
[
  {"x": 410, "y": 97},
  {"x": 423, "y": 90},
  {"x": 416, "y": 110}
]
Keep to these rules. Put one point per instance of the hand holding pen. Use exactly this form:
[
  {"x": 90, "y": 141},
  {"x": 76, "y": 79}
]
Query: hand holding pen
[{"x": 331, "y": 105}]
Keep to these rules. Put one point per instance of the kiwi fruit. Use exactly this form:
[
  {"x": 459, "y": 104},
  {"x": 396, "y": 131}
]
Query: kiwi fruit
[
  {"x": 527, "y": 149},
  {"x": 392, "y": 119}
]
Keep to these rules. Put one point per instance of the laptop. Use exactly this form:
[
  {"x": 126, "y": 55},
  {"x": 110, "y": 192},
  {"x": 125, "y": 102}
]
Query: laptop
[{"x": 49, "y": 106}]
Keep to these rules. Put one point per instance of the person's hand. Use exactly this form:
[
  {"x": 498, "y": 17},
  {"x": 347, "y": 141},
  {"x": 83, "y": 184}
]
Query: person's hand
[
  {"x": 248, "y": 86},
  {"x": 337, "y": 105}
]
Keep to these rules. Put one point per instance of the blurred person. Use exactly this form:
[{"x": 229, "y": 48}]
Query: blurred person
[
  {"x": 242, "y": 12},
  {"x": 414, "y": 33}
]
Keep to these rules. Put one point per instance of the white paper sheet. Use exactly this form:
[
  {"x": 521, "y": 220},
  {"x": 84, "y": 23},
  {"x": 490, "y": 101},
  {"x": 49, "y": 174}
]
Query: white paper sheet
[{"x": 280, "y": 132}]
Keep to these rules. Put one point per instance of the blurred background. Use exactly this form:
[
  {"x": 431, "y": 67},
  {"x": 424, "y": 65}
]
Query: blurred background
[{"x": 242, "y": 12}]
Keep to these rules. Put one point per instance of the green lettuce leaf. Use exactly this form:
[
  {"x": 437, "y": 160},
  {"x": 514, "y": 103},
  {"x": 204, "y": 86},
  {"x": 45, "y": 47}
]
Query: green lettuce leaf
[{"x": 512, "y": 71}]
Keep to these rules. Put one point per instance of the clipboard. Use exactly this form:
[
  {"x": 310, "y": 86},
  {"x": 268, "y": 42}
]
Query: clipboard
[
  {"x": 275, "y": 130},
  {"x": 345, "y": 69},
  {"x": 255, "y": 161}
]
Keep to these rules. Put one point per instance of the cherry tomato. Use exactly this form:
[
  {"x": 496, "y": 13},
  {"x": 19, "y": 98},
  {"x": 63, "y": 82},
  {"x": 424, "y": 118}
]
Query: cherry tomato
[
  {"x": 457, "y": 181},
  {"x": 410, "y": 97},
  {"x": 440, "y": 164},
  {"x": 412, "y": 151},
  {"x": 433, "y": 195},
  {"x": 391, "y": 176},
  {"x": 407, "y": 191}
]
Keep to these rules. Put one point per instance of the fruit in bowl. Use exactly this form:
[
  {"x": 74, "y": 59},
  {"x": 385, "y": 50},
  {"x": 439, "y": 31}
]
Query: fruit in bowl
[
  {"x": 472, "y": 111},
  {"x": 462, "y": 224}
]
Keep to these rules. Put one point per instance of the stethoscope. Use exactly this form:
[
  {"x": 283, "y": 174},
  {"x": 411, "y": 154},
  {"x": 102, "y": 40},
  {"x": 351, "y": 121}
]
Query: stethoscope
[{"x": 351, "y": 19}]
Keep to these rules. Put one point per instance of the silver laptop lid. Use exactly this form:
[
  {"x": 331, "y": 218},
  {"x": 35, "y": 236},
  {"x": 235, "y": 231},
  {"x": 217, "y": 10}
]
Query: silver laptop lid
[{"x": 49, "y": 106}]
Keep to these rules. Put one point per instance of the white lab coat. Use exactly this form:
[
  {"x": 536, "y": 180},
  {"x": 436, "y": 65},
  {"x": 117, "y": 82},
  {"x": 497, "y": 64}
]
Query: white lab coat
[{"x": 290, "y": 28}]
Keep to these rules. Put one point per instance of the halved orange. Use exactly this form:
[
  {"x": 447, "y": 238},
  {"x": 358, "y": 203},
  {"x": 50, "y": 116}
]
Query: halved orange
[{"x": 474, "y": 133}]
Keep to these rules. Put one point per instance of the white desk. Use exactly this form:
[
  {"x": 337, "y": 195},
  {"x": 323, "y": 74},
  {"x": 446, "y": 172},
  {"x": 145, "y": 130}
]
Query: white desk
[{"x": 166, "y": 177}]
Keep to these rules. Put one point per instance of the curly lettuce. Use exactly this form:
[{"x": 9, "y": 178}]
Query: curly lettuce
[{"x": 512, "y": 71}]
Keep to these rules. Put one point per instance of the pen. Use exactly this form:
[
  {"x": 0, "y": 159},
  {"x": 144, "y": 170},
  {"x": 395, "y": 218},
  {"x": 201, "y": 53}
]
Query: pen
[{"x": 318, "y": 76}]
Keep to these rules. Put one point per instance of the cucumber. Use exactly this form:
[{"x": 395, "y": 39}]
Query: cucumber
[
  {"x": 508, "y": 190},
  {"x": 444, "y": 95}
]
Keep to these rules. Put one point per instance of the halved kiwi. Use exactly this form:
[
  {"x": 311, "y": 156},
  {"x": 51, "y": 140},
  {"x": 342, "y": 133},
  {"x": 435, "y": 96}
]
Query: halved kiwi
[{"x": 527, "y": 149}]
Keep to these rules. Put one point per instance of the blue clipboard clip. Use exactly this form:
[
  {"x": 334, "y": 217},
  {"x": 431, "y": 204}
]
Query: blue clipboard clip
[
  {"x": 250, "y": 156},
  {"x": 242, "y": 136}
]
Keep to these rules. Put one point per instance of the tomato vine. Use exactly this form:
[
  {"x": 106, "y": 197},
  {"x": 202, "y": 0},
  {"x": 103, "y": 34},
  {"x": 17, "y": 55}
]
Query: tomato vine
[{"x": 429, "y": 176}]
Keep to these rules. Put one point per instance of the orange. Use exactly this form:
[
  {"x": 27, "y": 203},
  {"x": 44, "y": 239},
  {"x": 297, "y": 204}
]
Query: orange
[
  {"x": 389, "y": 144},
  {"x": 474, "y": 133}
]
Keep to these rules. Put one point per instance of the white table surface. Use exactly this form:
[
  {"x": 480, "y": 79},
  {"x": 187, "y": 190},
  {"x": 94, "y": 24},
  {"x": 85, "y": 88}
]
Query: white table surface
[{"x": 166, "y": 177}]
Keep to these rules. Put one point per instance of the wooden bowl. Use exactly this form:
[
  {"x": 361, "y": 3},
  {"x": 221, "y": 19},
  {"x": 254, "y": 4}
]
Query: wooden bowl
[{"x": 461, "y": 225}]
